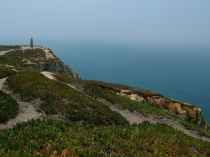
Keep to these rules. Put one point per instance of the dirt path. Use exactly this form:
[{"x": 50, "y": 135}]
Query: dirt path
[
  {"x": 5, "y": 52},
  {"x": 2, "y": 81},
  {"x": 23, "y": 48},
  {"x": 133, "y": 117},
  {"x": 181, "y": 128},
  {"x": 49, "y": 75},
  {"x": 26, "y": 113},
  {"x": 138, "y": 118}
]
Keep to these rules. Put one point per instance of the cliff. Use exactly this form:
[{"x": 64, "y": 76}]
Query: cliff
[
  {"x": 179, "y": 108},
  {"x": 47, "y": 110},
  {"x": 42, "y": 59}
]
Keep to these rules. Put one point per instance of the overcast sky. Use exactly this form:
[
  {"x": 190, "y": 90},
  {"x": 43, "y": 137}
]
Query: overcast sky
[{"x": 130, "y": 21}]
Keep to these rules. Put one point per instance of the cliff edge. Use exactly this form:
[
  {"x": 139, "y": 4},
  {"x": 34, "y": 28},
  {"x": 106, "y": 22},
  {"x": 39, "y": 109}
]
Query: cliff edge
[{"x": 42, "y": 98}]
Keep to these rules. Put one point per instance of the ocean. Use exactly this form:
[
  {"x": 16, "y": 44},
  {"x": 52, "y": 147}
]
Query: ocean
[{"x": 180, "y": 72}]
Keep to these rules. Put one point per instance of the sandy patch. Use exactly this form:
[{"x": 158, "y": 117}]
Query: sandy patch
[
  {"x": 48, "y": 54},
  {"x": 49, "y": 75},
  {"x": 2, "y": 81},
  {"x": 5, "y": 52},
  {"x": 26, "y": 113}
]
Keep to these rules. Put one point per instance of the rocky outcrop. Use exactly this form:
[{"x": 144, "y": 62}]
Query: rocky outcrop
[
  {"x": 48, "y": 150},
  {"x": 42, "y": 59},
  {"x": 46, "y": 60},
  {"x": 177, "y": 107},
  {"x": 129, "y": 94},
  {"x": 174, "y": 106}
]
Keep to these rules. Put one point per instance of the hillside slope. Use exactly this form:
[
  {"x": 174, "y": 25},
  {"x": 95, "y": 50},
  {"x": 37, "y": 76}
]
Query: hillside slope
[{"x": 120, "y": 120}]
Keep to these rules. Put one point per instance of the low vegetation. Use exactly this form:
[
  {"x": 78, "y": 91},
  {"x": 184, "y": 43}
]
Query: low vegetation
[
  {"x": 35, "y": 59},
  {"x": 87, "y": 127},
  {"x": 8, "y": 107},
  {"x": 13, "y": 59},
  {"x": 8, "y": 47},
  {"x": 59, "y": 98},
  {"x": 96, "y": 91},
  {"x": 45, "y": 138},
  {"x": 5, "y": 71},
  {"x": 144, "y": 107},
  {"x": 65, "y": 78},
  {"x": 202, "y": 129}
]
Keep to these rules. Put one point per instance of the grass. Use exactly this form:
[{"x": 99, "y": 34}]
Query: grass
[
  {"x": 94, "y": 90},
  {"x": 17, "y": 57},
  {"x": 35, "y": 59},
  {"x": 42, "y": 138},
  {"x": 192, "y": 126},
  {"x": 8, "y": 107},
  {"x": 5, "y": 71},
  {"x": 13, "y": 59},
  {"x": 92, "y": 130},
  {"x": 144, "y": 107},
  {"x": 8, "y": 47},
  {"x": 63, "y": 77},
  {"x": 59, "y": 98}
]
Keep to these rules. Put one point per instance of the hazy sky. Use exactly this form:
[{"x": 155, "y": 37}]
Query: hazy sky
[{"x": 131, "y": 21}]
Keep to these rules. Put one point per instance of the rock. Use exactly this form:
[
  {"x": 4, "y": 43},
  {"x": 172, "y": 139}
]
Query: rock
[
  {"x": 44, "y": 59},
  {"x": 180, "y": 109},
  {"x": 157, "y": 101},
  {"x": 67, "y": 153},
  {"x": 206, "y": 126},
  {"x": 46, "y": 149},
  {"x": 176, "y": 108},
  {"x": 162, "y": 102},
  {"x": 54, "y": 154},
  {"x": 131, "y": 95},
  {"x": 126, "y": 91},
  {"x": 191, "y": 112},
  {"x": 136, "y": 97}
]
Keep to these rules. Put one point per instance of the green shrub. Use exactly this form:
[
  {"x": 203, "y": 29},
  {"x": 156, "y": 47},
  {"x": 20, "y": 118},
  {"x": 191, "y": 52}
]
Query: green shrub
[
  {"x": 59, "y": 98},
  {"x": 8, "y": 47},
  {"x": 5, "y": 71},
  {"x": 8, "y": 107},
  {"x": 93, "y": 141},
  {"x": 95, "y": 90}
]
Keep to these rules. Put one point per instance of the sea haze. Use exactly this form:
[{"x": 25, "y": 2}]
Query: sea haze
[{"x": 179, "y": 72}]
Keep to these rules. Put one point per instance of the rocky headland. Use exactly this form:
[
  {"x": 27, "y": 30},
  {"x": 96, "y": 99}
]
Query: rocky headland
[{"x": 38, "y": 89}]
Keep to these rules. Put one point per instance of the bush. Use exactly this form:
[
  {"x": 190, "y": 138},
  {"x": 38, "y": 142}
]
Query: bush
[
  {"x": 59, "y": 98},
  {"x": 46, "y": 137},
  {"x": 95, "y": 90},
  {"x": 8, "y": 107},
  {"x": 8, "y": 47},
  {"x": 5, "y": 71}
]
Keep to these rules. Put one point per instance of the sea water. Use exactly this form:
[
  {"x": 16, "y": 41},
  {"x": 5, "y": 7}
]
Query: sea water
[{"x": 180, "y": 72}]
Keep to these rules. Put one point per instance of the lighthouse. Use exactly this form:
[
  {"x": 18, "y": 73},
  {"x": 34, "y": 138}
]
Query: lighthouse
[{"x": 32, "y": 42}]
